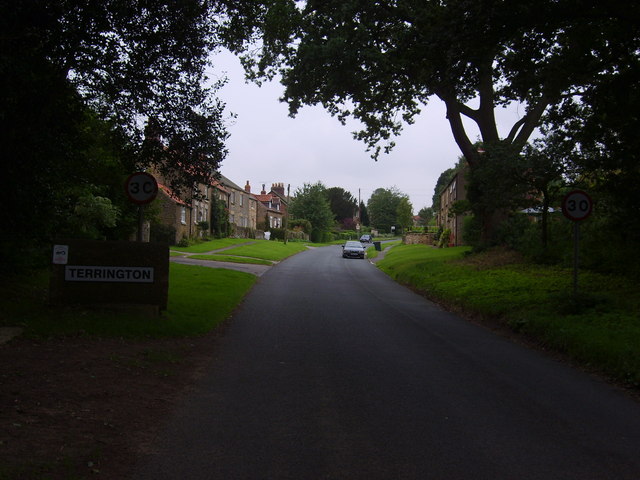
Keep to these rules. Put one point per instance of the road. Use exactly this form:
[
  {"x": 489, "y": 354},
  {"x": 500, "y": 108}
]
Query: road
[{"x": 330, "y": 370}]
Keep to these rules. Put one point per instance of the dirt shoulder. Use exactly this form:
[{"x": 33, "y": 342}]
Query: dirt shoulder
[{"x": 85, "y": 408}]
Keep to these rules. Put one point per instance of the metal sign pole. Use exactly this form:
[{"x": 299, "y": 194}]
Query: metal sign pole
[
  {"x": 576, "y": 240},
  {"x": 140, "y": 222}
]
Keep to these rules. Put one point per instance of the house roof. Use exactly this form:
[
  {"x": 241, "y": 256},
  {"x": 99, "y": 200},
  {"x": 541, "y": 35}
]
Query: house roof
[
  {"x": 263, "y": 198},
  {"x": 170, "y": 193},
  {"x": 228, "y": 183}
]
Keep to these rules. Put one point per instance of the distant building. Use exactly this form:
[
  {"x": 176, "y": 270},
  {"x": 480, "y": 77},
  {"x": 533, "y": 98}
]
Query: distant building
[
  {"x": 455, "y": 190},
  {"x": 272, "y": 206},
  {"x": 242, "y": 208}
]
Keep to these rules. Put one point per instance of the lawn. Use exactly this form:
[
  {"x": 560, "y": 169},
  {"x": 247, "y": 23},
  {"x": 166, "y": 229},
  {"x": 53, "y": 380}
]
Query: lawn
[
  {"x": 600, "y": 328},
  {"x": 231, "y": 259},
  {"x": 268, "y": 250},
  {"x": 199, "y": 299},
  {"x": 212, "y": 245}
]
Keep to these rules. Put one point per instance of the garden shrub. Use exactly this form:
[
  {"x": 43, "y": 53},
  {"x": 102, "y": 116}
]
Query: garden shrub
[
  {"x": 165, "y": 234},
  {"x": 445, "y": 236},
  {"x": 277, "y": 233}
]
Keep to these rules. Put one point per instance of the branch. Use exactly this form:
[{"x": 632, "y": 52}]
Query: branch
[
  {"x": 531, "y": 120},
  {"x": 515, "y": 128},
  {"x": 454, "y": 109},
  {"x": 486, "y": 114}
]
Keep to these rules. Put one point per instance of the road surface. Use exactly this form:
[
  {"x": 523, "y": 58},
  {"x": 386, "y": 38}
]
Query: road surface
[{"x": 330, "y": 370}]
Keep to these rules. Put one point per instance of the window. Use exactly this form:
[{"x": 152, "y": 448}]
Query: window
[
  {"x": 232, "y": 218},
  {"x": 183, "y": 215},
  {"x": 241, "y": 200},
  {"x": 233, "y": 197}
]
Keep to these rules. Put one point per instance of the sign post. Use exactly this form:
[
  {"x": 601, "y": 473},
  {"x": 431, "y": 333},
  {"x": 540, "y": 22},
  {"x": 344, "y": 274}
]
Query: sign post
[
  {"x": 576, "y": 206},
  {"x": 141, "y": 188}
]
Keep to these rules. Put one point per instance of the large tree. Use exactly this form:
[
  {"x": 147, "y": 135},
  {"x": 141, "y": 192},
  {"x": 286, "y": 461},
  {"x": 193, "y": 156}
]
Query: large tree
[
  {"x": 378, "y": 61},
  {"x": 342, "y": 203},
  {"x": 383, "y": 208},
  {"x": 97, "y": 86},
  {"x": 310, "y": 203}
]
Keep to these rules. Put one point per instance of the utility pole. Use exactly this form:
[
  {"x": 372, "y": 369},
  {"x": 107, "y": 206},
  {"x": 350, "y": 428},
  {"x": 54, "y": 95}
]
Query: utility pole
[{"x": 286, "y": 217}]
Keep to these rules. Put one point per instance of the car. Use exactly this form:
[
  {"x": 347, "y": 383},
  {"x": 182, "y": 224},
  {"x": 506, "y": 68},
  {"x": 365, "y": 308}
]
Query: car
[
  {"x": 353, "y": 249},
  {"x": 366, "y": 239}
]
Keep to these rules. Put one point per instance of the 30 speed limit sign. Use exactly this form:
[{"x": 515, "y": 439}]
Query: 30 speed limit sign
[
  {"x": 141, "y": 188},
  {"x": 577, "y": 205}
]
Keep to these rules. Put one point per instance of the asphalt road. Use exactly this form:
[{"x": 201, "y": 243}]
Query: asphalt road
[{"x": 329, "y": 370}]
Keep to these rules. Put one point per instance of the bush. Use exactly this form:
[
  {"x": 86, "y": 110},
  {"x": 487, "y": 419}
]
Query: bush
[
  {"x": 165, "y": 234},
  {"x": 471, "y": 230},
  {"x": 184, "y": 242},
  {"x": 444, "y": 238},
  {"x": 277, "y": 233},
  {"x": 510, "y": 232}
]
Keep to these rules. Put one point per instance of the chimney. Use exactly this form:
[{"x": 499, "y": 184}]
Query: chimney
[
  {"x": 247, "y": 187},
  {"x": 278, "y": 188},
  {"x": 264, "y": 192}
]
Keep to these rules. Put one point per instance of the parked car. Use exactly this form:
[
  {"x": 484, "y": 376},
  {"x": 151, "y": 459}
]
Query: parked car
[
  {"x": 353, "y": 249},
  {"x": 366, "y": 239}
]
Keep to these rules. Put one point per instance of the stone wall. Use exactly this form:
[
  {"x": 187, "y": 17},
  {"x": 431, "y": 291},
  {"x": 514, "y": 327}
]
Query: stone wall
[{"x": 415, "y": 238}]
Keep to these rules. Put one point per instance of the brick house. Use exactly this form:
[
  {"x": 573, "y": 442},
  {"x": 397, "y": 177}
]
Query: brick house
[
  {"x": 272, "y": 206},
  {"x": 455, "y": 190}
]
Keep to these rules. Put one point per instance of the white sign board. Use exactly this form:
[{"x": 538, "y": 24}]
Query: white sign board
[{"x": 60, "y": 254}]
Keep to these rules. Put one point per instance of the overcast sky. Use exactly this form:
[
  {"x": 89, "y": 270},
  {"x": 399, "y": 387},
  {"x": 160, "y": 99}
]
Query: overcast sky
[{"x": 267, "y": 146}]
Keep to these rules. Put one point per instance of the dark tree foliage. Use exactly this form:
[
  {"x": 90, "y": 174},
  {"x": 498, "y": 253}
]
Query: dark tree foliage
[
  {"x": 310, "y": 203},
  {"x": 426, "y": 215},
  {"x": 382, "y": 207},
  {"x": 80, "y": 79},
  {"x": 342, "y": 203},
  {"x": 378, "y": 60},
  {"x": 364, "y": 214},
  {"x": 599, "y": 137}
]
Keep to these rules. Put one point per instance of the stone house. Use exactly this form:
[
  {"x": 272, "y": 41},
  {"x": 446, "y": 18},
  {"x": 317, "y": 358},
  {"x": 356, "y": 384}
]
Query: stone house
[
  {"x": 183, "y": 214},
  {"x": 455, "y": 190},
  {"x": 243, "y": 208},
  {"x": 272, "y": 206}
]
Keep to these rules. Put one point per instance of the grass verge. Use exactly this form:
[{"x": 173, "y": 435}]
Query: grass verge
[
  {"x": 199, "y": 299},
  {"x": 212, "y": 245},
  {"x": 268, "y": 250},
  {"x": 232, "y": 259},
  {"x": 599, "y": 328}
]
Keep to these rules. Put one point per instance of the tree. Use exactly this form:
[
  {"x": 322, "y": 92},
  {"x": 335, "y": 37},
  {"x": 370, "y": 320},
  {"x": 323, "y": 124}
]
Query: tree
[
  {"x": 342, "y": 204},
  {"x": 310, "y": 203},
  {"x": 379, "y": 61},
  {"x": 404, "y": 213},
  {"x": 426, "y": 215},
  {"x": 383, "y": 208},
  {"x": 364, "y": 214},
  {"x": 81, "y": 79}
]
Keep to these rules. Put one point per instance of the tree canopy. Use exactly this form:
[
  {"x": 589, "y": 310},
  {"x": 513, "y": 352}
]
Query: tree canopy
[
  {"x": 310, "y": 203},
  {"x": 378, "y": 61},
  {"x": 95, "y": 89},
  {"x": 382, "y": 207},
  {"x": 342, "y": 203}
]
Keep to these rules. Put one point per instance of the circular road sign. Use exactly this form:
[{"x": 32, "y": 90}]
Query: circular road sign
[
  {"x": 141, "y": 188},
  {"x": 577, "y": 205}
]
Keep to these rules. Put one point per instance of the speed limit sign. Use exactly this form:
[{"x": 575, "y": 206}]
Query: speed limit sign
[
  {"x": 141, "y": 188},
  {"x": 577, "y": 205}
]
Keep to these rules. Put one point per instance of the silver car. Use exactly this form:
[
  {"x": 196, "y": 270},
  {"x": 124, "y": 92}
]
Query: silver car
[{"x": 353, "y": 250}]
